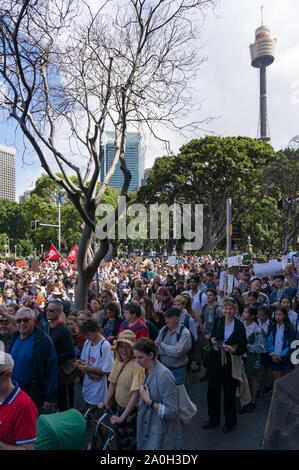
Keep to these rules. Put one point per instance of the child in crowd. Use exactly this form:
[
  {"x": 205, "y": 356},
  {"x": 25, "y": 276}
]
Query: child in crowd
[
  {"x": 279, "y": 343},
  {"x": 252, "y": 359},
  {"x": 264, "y": 324}
]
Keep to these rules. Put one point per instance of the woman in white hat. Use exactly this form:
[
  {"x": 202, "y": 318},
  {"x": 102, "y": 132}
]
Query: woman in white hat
[{"x": 125, "y": 381}]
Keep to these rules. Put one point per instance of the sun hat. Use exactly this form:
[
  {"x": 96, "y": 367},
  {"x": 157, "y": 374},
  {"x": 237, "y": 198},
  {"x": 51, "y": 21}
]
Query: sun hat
[{"x": 126, "y": 336}]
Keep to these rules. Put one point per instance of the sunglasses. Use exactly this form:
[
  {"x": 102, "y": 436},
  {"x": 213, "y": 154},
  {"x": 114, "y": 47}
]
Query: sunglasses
[
  {"x": 24, "y": 320},
  {"x": 50, "y": 310},
  {"x": 3, "y": 373}
]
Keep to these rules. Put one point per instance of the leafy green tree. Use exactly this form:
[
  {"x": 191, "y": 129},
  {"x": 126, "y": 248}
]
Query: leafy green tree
[
  {"x": 3, "y": 242},
  {"x": 280, "y": 182},
  {"x": 12, "y": 219},
  {"x": 25, "y": 247},
  {"x": 126, "y": 63},
  {"x": 208, "y": 171}
]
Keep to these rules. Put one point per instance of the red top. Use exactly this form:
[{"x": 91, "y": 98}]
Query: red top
[
  {"x": 139, "y": 328},
  {"x": 18, "y": 415}
]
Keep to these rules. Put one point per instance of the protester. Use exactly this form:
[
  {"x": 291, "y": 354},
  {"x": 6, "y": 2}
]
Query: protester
[
  {"x": 96, "y": 361},
  {"x": 35, "y": 361},
  {"x": 264, "y": 324},
  {"x": 174, "y": 342},
  {"x": 132, "y": 314},
  {"x": 63, "y": 342},
  {"x": 252, "y": 358},
  {"x": 7, "y": 328},
  {"x": 279, "y": 343},
  {"x": 124, "y": 384},
  {"x": 18, "y": 413},
  {"x": 228, "y": 341},
  {"x": 158, "y": 422}
]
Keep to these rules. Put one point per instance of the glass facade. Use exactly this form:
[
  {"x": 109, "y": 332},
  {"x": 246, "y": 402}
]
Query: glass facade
[{"x": 134, "y": 156}]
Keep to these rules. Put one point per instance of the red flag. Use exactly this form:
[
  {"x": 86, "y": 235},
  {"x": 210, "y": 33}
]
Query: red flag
[
  {"x": 73, "y": 254},
  {"x": 52, "y": 253}
]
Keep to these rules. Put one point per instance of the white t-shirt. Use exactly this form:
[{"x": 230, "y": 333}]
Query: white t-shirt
[
  {"x": 96, "y": 356},
  {"x": 199, "y": 300}
]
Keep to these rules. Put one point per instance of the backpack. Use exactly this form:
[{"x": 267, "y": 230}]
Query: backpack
[{"x": 191, "y": 351}]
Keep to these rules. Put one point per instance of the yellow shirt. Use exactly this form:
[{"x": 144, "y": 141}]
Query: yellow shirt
[{"x": 129, "y": 380}]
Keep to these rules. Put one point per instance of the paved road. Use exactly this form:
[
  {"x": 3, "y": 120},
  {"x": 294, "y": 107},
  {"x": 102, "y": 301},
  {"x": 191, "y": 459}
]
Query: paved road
[{"x": 247, "y": 435}]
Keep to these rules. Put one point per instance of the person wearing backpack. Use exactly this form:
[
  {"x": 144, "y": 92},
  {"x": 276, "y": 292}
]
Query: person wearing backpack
[
  {"x": 96, "y": 361},
  {"x": 132, "y": 313},
  {"x": 174, "y": 342},
  {"x": 210, "y": 311},
  {"x": 187, "y": 321}
]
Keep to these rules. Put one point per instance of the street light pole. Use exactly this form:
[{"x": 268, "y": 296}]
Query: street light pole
[{"x": 15, "y": 251}]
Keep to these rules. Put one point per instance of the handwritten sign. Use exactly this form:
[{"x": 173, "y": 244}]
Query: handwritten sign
[{"x": 21, "y": 263}]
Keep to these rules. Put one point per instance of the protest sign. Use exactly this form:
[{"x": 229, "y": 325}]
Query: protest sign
[{"x": 267, "y": 269}]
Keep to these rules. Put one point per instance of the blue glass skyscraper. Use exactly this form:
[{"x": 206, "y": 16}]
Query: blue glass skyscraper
[{"x": 134, "y": 156}]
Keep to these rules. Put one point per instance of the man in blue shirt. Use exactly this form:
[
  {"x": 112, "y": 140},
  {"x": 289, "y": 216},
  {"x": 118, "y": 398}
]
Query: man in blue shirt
[{"x": 35, "y": 359}]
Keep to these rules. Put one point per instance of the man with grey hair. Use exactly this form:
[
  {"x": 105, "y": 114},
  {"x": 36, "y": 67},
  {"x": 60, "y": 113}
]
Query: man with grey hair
[
  {"x": 18, "y": 413},
  {"x": 35, "y": 368}
]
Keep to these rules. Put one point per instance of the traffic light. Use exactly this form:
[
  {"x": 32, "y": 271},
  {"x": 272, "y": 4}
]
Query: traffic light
[
  {"x": 34, "y": 224},
  {"x": 236, "y": 231}
]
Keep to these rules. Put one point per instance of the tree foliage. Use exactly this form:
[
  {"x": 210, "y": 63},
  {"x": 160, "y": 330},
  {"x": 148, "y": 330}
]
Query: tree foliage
[
  {"x": 208, "y": 171},
  {"x": 72, "y": 70},
  {"x": 280, "y": 182}
]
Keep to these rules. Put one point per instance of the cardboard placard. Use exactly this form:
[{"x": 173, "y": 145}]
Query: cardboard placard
[
  {"x": 35, "y": 266},
  {"x": 171, "y": 260},
  {"x": 21, "y": 263},
  {"x": 267, "y": 269}
]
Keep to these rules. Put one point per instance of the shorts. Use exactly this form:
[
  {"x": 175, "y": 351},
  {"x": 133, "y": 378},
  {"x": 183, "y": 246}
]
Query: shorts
[
  {"x": 283, "y": 365},
  {"x": 266, "y": 360},
  {"x": 254, "y": 367}
]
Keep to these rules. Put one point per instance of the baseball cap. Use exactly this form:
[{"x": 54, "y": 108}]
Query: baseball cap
[
  {"x": 162, "y": 290},
  {"x": 171, "y": 312}
]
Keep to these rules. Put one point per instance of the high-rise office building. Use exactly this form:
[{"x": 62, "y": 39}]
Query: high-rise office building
[
  {"x": 134, "y": 156},
  {"x": 7, "y": 173}
]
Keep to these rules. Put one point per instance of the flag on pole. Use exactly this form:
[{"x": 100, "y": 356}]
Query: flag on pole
[
  {"x": 73, "y": 254},
  {"x": 52, "y": 253}
]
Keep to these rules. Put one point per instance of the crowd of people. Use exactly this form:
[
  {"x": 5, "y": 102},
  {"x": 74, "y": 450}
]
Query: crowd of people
[{"x": 146, "y": 333}]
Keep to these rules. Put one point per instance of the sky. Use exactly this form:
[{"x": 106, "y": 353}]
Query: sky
[{"x": 226, "y": 82}]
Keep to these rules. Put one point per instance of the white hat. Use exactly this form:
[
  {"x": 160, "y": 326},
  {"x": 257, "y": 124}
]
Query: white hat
[{"x": 6, "y": 362}]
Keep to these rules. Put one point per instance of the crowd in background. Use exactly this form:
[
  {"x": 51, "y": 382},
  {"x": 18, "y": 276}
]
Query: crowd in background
[{"x": 148, "y": 327}]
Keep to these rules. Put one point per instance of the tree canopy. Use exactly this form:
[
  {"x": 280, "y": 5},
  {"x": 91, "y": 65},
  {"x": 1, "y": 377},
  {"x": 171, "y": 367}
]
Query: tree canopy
[{"x": 208, "y": 171}]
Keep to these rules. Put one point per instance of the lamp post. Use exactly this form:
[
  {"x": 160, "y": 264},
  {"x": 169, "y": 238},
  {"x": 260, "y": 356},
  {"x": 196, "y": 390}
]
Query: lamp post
[
  {"x": 5, "y": 249},
  {"x": 15, "y": 251},
  {"x": 59, "y": 224},
  {"x": 41, "y": 250}
]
